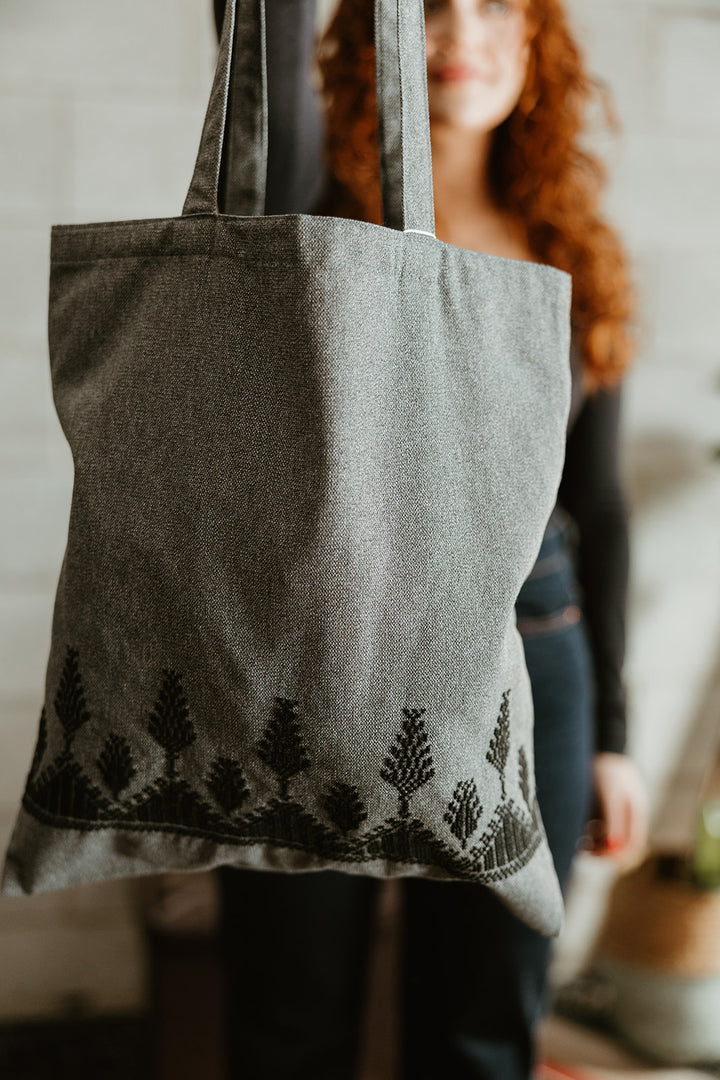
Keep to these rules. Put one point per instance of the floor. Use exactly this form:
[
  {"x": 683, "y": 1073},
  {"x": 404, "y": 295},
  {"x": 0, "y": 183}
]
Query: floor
[
  {"x": 179, "y": 1037},
  {"x": 595, "y": 1057}
]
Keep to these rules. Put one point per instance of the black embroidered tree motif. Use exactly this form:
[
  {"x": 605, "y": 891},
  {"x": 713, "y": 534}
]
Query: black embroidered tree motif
[
  {"x": 523, "y": 776},
  {"x": 511, "y": 836},
  {"x": 404, "y": 839},
  {"x": 344, "y": 807},
  {"x": 63, "y": 795},
  {"x": 281, "y": 747},
  {"x": 115, "y": 764},
  {"x": 283, "y": 820},
  {"x": 62, "y": 789},
  {"x": 410, "y": 764},
  {"x": 464, "y": 810},
  {"x": 497, "y": 755},
  {"x": 70, "y": 698},
  {"x": 227, "y": 784},
  {"x": 170, "y": 799},
  {"x": 507, "y": 843},
  {"x": 170, "y": 723}
]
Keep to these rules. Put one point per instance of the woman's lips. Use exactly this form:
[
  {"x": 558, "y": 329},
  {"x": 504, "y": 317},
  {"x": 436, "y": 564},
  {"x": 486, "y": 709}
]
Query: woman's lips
[{"x": 455, "y": 73}]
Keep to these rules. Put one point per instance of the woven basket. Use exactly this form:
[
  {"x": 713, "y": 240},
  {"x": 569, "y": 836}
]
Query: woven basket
[
  {"x": 658, "y": 919},
  {"x": 659, "y": 952}
]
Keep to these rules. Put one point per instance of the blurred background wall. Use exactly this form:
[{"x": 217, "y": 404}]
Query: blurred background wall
[{"x": 101, "y": 106}]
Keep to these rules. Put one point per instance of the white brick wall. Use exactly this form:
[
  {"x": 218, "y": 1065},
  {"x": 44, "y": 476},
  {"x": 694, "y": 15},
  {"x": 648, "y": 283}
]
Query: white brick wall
[
  {"x": 661, "y": 58},
  {"x": 101, "y": 107},
  {"x": 688, "y": 48},
  {"x": 100, "y": 112}
]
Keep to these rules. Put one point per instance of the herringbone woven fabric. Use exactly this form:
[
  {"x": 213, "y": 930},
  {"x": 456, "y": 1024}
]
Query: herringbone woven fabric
[{"x": 314, "y": 459}]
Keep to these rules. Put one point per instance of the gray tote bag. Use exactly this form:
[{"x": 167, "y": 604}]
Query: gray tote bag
[{"x": 313, "y": 463}]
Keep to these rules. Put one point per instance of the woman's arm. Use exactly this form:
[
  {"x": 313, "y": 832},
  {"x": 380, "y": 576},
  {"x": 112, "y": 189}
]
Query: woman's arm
[
  {"x": 591, "y": 491},
  {"x": 296, "y": 132}
]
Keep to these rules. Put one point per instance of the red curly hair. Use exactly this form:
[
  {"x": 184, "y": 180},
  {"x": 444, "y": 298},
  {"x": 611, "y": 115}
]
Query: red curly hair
[{"x": 539, "y": 173}]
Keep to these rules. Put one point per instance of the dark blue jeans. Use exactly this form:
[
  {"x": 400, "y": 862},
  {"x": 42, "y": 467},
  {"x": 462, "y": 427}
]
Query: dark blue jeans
[{"x": 473, "y": 976}]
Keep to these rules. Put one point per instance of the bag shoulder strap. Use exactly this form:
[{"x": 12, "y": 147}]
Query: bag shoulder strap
[{"x": 236, "y": 120}]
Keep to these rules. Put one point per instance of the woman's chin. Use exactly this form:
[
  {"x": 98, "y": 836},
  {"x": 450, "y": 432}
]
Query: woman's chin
[{"x": 467, "y": 115}]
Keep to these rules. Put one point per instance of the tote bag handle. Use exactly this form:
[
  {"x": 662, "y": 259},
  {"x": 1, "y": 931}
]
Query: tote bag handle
[{"x": 236, "y": 118}]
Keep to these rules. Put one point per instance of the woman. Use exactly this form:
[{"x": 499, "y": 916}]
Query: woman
[{"x": 506, "y": 92}]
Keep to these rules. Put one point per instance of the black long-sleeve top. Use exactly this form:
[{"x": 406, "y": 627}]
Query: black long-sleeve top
[{"x": 591, "y": 492}]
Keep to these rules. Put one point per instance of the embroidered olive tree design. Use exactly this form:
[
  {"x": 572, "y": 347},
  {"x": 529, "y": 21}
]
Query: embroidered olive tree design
[
  {"x": 169, "y": 723},
  {"x": 281, "y": 747},
  {"x": 344, "y": 807},
  {"x": 63, "y": 789},
  {"x": 497, "y": 755},
  {"x": 410, "y": 764},
  {"x": 227, "y": 784},
  {"x": 170, "y": 799},
  {"x": 524, "y": 777},
  {"x": 463, "y": 813},
  {"x": 63, "y": 794},
  {"x": 70, "y": 699},
  {"x": 115, "y": 764}
]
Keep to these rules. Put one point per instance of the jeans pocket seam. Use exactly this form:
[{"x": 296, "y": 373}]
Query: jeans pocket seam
[{"x": 530, "y": 625}]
